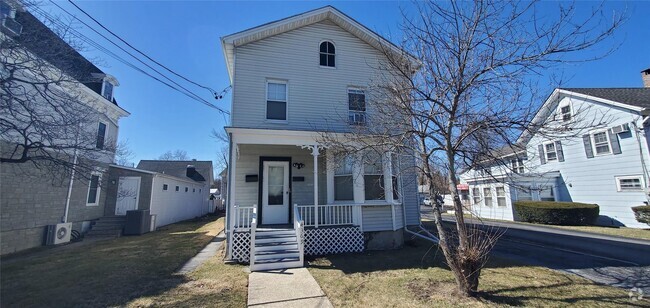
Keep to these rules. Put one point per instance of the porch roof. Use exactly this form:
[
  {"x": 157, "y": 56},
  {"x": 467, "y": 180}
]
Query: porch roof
[{"x": 277, "y": 136}]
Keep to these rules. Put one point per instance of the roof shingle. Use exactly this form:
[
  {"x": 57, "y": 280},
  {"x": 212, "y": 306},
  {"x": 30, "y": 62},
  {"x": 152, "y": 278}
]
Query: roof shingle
[{"x": 639, "y": 97}]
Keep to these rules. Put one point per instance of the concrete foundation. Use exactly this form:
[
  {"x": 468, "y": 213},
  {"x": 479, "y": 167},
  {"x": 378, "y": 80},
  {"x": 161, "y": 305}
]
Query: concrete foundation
[{"x": 382, "y": 240}]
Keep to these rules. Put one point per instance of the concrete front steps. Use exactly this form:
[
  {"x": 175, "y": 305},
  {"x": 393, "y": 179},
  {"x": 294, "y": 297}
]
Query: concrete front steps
[
  {"x": 107, "y": 227},
  {"x": 275, "y": 249}
]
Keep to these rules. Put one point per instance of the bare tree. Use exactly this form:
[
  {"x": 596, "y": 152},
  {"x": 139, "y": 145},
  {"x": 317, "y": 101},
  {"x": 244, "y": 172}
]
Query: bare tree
[
  {"x": 48, "y": 121},
  {"x": 123, "y": 154},
  {"x": 468, "y": 96},
  {"x": 175, "y": 155}
]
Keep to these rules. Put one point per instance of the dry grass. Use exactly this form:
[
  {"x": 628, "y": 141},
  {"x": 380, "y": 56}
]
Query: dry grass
[
  {"x": 643, "y": 234},
  {"x": 416, "y": 277},
  {"x": 135, "y": 271}
]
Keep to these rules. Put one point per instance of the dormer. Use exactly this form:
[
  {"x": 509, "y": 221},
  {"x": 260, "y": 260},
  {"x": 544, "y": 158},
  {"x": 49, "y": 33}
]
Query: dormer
[{"x": 108, "y": 84}]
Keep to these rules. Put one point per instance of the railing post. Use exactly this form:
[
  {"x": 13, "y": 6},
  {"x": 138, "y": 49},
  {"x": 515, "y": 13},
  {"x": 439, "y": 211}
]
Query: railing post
[{"x": 253, "y": 225}]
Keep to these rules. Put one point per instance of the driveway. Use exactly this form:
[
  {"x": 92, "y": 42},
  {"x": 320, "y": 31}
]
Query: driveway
[{"x": 614, "y": 261}]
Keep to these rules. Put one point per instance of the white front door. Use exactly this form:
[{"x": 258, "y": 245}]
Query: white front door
[
  {"x": 128, "y": 191},
  {"x": 275, "y": 192}
]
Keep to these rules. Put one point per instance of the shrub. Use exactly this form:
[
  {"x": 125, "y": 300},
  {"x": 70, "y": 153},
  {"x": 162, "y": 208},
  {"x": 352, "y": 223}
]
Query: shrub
[
  {"x": 557, "y": 213},
  {"x": 642, "y": 213}
]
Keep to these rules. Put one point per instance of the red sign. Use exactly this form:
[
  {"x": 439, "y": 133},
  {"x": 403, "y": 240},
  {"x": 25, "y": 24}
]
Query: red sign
[{"x": 462, "y": 187}]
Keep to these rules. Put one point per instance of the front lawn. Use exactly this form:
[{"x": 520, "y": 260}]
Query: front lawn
[
  {"x": 130, "y": 270},
  {"x": 415, "y": 276}
]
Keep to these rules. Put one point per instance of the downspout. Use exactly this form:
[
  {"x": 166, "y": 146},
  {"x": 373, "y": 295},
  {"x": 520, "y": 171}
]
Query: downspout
[
  {"x": 64, "y": 219},
  {"x": 638, "y": 132},
  {"x": 430, "y": 236}
]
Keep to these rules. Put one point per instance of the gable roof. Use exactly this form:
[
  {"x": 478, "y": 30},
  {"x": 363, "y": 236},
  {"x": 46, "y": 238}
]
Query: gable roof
[
  {"x": 344, "y": 21},
  {"x": 639, "y": 97},
  {"x": 179, "y": 168},
  {"x": 634, "y": 99},
  {"x": 43, "y": 42}
]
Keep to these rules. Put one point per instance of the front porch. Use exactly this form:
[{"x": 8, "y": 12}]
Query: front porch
[{"x": 287, "y": 178}]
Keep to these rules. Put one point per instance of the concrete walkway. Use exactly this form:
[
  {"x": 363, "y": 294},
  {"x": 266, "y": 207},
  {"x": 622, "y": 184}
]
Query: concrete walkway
[
  {"x": 206, "y": 253},
  {"x": 285, "y": 288}
]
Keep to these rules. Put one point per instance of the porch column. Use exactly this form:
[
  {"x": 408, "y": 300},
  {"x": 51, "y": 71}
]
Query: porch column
[
  {"x": 330, "y": 166},
  {"x": 315, "y": 153},
  {"x": 357, "y": 179},
  {"x": 231, "y": 212}
]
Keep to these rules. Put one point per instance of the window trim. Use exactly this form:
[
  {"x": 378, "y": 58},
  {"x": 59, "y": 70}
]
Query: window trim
[
  {"x": 491, "y": 197},
  {"x": 571, "y": 114},
  {"x": 104, "y": 82},
  {"x": 99, "y": 181},
  {"x": 334, "y": 54},
  {"x": 165, "y": 187},
  {"x": 626, "y": 177},
  {"x": 593, "y": 142},
  {"x": 105, "y": 135},
  {"x": 365, "y": 111},
  {"x": 517, "y": 165},
  {"x": 351, "y": 175},
  {"x": 475, "y": 196},
  {"x": 504, "y": 197},
  {"x": 546, "y": 151},
  {"x": 286, "y": 100},
  {"x": 381, "y": 176}
]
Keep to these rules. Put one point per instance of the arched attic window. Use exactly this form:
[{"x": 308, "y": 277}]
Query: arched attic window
[{"x": 327, "y": 54}]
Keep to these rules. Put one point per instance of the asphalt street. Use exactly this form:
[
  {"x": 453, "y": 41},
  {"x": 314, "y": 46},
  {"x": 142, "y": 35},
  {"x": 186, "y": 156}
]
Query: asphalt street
[{"x": 618, "y": 262}]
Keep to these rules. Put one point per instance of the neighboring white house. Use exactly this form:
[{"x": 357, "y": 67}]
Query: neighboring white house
[
  {"x": 293, "y": 80},
  {"x": 606, "y": 165}
]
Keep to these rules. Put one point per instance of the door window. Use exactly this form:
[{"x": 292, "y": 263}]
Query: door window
[{"x": 276, "y": 185}]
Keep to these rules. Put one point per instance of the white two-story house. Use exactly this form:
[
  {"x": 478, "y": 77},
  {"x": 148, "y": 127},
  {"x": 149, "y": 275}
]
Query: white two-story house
[
  {"x": 294, "y": 80},
  {"x": 606, "y": 163}
]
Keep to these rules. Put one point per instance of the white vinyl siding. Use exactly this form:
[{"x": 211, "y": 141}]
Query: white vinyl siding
[{"x": 318, "y": 98}]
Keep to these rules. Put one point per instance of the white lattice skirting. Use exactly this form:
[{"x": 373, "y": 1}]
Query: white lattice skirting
[
  {"x": 333, "y": 240},
  {"x": 321, "y": 241},
  {"x": 241, "y": 246}
]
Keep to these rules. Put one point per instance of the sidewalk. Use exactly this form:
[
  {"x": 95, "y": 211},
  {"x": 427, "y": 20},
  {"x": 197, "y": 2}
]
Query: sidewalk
[
  {"x": 207, "y": 252},
  {"x": 285, "y": 288}
]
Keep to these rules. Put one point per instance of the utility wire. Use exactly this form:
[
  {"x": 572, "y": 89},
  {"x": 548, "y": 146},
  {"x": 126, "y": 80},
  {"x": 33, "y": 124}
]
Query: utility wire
[
  {"x": 214, "y": 93},
  {"x": 79, "y": 35},
  {"x": 195, "y": 96}
]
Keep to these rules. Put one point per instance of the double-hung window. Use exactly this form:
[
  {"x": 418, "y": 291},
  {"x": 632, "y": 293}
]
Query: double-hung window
[
  {"x": 107, "y": 90},
  {"x": 101, "y": 135},
  {"x": 487, "y": 193},
  {"x": 501, "y": 196},
  {"x": 343, "y": 184},
  {"x": 524, "y": 194},
  {"x": 517, "y": 165},
  {"x": 394, "y": 169},
  {"x": 565, "y": 111},
  {"x": 276, "y": 100},
  {"x": 93, "y": 189},
  {"x": 476, "y": 195},
  {"x": 373, "y": 177},
  {"x": 356, "y": 106},
  {"x": 601, "y": 143},
  {"x": 546, "y": 193},
  {"x": 551, "y": 153}
]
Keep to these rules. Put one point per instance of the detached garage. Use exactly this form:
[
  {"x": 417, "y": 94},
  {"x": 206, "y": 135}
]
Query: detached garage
[{"x": 169, "y": 194}]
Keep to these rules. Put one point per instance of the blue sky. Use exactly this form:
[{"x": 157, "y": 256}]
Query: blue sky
[{"x": 185, "y": 37}]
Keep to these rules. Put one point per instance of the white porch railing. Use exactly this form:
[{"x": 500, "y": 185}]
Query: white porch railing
[
  {"x": 327, "y": 215},
  {"x": 243, "y": 216}
]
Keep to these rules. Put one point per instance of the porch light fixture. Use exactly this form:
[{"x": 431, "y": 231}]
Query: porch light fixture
[{"x": 298, "y": 165}]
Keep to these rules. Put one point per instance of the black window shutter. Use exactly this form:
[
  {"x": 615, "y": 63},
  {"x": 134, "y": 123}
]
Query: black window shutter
[
  {"x": 613, "y": 139},
  {"x": 558, "y": 149},
  {"x": 586, "y": 139},
  {"x": 542, "y": 157}
]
